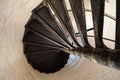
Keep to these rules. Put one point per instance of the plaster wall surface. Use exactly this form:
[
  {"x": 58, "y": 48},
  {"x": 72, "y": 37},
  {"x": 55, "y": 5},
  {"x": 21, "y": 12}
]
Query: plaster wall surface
[{"x": 13, "y": 65}]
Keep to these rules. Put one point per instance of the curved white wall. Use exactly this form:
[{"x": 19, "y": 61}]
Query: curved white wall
[{"x": 13, "y": 65}]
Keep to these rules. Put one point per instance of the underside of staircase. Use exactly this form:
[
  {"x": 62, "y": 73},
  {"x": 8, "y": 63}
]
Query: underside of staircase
[{"x": 50, "y": 37}]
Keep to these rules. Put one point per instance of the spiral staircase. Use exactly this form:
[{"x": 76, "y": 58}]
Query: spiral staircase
[{"x": 49, "y": 35}]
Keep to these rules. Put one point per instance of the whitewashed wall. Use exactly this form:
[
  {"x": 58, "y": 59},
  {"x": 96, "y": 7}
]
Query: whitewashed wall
[{"x": 13, "y": 65}]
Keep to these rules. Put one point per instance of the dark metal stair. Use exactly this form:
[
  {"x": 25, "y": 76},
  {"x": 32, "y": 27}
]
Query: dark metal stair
[{"x": 46, "y": 44}]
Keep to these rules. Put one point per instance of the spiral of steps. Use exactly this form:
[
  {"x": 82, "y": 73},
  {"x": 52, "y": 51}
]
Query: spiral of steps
[{"x": 50, "y": 36}]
